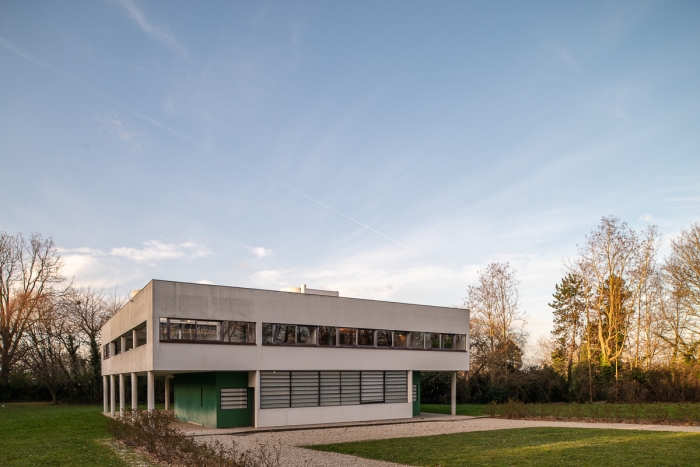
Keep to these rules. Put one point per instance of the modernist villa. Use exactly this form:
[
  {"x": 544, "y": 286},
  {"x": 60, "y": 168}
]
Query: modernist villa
[{"x": 248, "y": 357}]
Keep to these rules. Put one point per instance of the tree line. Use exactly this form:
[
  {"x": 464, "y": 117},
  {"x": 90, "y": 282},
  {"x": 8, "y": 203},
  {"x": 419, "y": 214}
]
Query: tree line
[
  {"x": 626, "y": 326},
  {"x": 49, "y": 329}
]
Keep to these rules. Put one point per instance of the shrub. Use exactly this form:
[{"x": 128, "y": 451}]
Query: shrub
[{"x": 155, "y": 433}]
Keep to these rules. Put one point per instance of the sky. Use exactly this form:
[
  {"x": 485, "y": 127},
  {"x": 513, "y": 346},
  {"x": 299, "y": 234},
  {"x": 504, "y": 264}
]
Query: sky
[{"x": 385, "y": 149}]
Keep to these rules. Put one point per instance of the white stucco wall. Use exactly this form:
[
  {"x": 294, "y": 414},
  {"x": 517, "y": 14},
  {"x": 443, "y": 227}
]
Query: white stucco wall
[{"x": 333, "y": 414}]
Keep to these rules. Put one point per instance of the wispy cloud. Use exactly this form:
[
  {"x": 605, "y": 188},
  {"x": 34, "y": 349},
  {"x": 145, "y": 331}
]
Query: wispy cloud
[
  {"x": 113, "y": 126},
  {"x": 567, "y": 57},
  {"x": 107, "y": 268},
  {"x": 154, "y": 250},
  {"x": 156, "y": 32},
  {"x": 260, "y": 252},
  {"x": 24, "y": 54}
]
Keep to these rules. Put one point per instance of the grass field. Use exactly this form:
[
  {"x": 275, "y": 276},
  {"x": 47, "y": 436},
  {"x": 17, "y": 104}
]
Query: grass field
[
  {"x": 650, "y": 413},
  {"x": 534, "y": 447},
  {"x": 43, "y": 434},
  {"x": 474, "y": 410}
]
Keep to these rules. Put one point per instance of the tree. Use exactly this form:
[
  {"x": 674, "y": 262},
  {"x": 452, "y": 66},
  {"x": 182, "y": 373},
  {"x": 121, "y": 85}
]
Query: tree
[
  {"x": 569, "y": 307},
  {"x": 683, "y": 267},
  {"x": 29, "y": 273},
  {"x": 47, "y": 354},
  {"x": 85, "y": 311},
  {"x": 496, "y": 321},
  {"x": 612, "y": 260}
]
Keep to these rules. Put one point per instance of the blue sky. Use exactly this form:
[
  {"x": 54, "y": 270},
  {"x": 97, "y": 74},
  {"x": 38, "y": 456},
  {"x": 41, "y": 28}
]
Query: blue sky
[{"x": 385, "y": 149}]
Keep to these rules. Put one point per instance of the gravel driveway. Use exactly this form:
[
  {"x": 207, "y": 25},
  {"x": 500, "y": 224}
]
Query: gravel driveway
[{"x": 295, "y": 456}]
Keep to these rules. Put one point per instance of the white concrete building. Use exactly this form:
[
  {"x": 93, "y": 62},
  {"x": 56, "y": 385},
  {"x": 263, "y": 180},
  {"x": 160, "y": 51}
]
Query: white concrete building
[{"x": 242, "y": 357}]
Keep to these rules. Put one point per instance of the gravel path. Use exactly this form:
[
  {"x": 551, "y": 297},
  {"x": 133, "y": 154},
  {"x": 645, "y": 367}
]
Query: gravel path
[{"x": 294, "y": 456}]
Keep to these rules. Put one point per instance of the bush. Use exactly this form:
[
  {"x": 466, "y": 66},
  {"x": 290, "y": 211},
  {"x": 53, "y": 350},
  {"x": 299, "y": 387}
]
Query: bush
[{"x": 155, "y": 433}]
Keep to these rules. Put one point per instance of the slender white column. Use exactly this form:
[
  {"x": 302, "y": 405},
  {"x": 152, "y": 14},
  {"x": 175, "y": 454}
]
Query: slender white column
[
  {"x": 135, "y": 338},
  {"x": 256, "y": 406},
  {"x": 454, "y": 393},
  {"x": 112, "y": 395},
  {"x": 122, "y": 393},
  {"x": 167, "y": 393},
  {"x": 105, "y": 393},
  {"x": 151, "y": 394},
  {"x": 123, "y": 343},
  {"x": 134, "y": 391}
]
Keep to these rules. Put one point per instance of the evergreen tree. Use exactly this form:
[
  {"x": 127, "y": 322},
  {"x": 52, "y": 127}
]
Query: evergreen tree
[{"x": 568, "y": 309}]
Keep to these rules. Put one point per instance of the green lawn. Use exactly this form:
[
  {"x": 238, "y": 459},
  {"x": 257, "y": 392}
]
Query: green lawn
[
  {"x": 43, "y": 434},
  {"x": 462, "y": 409},
  {"x": 649, "y": 413},
  {"x": 534, "y": 447}
]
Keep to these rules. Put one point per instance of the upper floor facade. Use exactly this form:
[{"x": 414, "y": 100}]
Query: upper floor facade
[{"x": 174, "y": 327}]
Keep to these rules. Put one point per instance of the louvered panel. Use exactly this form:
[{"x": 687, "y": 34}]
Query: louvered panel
[
  {"x": 396, "y": 386},
  {"x": 372, "y": 386},
  {"x": 305, "y": 389},
  {"x": 349, "y": 387},
  {"x": 330, "y": 388},
  {"x": 274, "y": 389},
  {"x": 415, "y": 392},
  {"x": 234, "y": 398}
]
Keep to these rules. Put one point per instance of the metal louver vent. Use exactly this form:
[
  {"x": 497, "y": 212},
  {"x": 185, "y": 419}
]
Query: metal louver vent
[
  {"x": 330, "y": 388},
  {"x": 305, "y": 389},
  {"x": 234, "y": 398},
  {"x": 415, "y": 392},
  {"x": 349, "y": 387},
  {"x": 395, "y": 387},
  {"x": 275, "y": 389},
  {"x": 372, "y": 387}
]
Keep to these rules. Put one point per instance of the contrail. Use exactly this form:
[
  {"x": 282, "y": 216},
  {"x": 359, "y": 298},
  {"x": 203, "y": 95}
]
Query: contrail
[{"x": 20, "y": 52}]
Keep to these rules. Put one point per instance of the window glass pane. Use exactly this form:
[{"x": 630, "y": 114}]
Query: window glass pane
[
  {"x": 304, "y": 335},
  {"x": 417, "y": 340},
  {"x": 208, "y": 330},
  {"x": 433, "y": 341},
  {"x": 235, "y": 331},
  {"x": 182, "y": 329},
  {"x": 448, "y": 341},
  {"x": 141, "y": 336},
  {"x": 461, "y": 342},
  {"x": 365, "y": 337},
  {"x": 267, "y": 333},
  {"x": 383, "y": 338},
  {"x": 400, "y": 339},
  {"x": 326, "y": 335},
  {"x": 285, "y": 334},
  {"x": 163, "y": 330},
  {"x": 251, "y": 333},
  {"x": 347, "y": 336}
]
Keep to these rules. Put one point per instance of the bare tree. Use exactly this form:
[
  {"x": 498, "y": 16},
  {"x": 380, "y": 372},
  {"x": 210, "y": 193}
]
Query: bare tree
[
  {"x": 611, "y": 258},
  {"x": 682, "y": 307},
  {"x": 85, "y": 310},
  {"x": 29, "y": 274},
  {"x": 496, "y": 320},
  {"x": 47, "y": 356}
]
